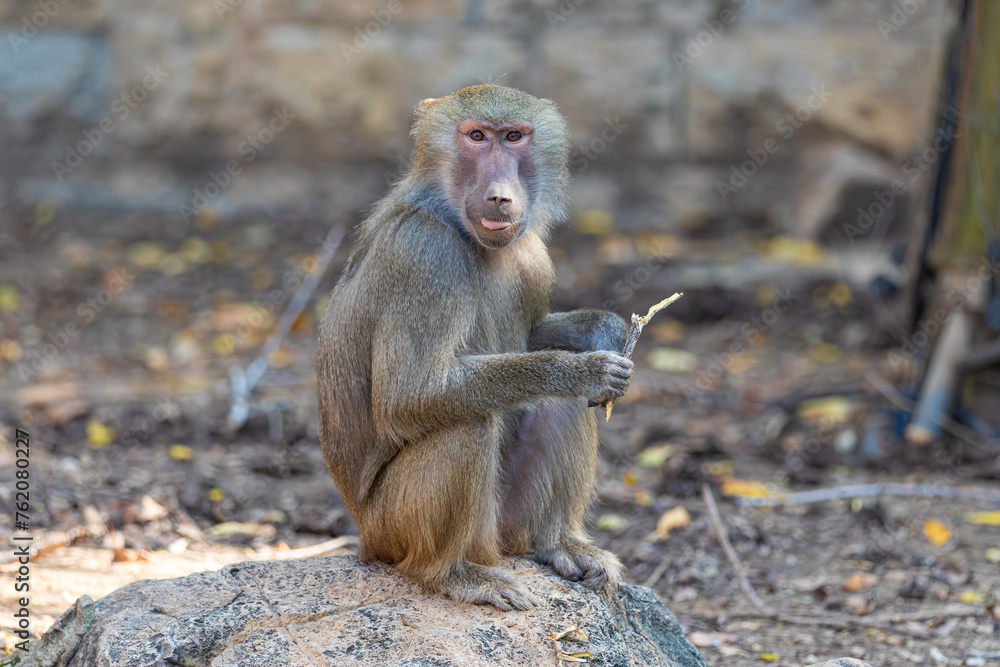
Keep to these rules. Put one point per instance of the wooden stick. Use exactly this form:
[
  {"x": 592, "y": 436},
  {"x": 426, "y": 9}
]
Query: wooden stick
[
  {"x": 839, "y": 621},
  {"x": 990, "y": 496},
  {"x": 315, "y": 549},
  {"x": 657, "y": 573},
  {"x": 939, "y": 384},
  {"x": 633, "y": 337},
  {"x": 734, "y": 561},
  {"x": 242, "y": 382},
  {"x": 844, "y": 622},
  {"x": 964, "y": 433}
]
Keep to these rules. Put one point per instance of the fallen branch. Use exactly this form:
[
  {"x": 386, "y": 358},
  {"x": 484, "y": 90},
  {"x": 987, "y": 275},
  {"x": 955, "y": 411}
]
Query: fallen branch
[
  {"x": 967, "y": 435},
  {"x": 55, "y": 541},
  {"x": 851, "y": 622},
  {"x": 657, "y": 573},
  {"x": 949, "y": 611},
  {"x": 723, "y": 536},
  {"x": 940, "y": 382},
  {"x": 242, "y": 382},
  {"x": 869, "y": 490},
  {"x": 827, "y": 620},
  {"x": 315, "y": 549},
  {"x": 633, "y": 337}
]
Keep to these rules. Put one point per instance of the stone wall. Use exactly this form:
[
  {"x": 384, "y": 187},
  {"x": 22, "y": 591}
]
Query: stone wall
[{"x": 306, "y": 103}]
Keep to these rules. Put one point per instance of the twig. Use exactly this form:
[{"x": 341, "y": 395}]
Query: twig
[
  {"x": 939, "y": 383},
  {"x": 848, "y": 622},
  {"x": 723, "y": 536},
  {"x": 826, "y": 620},
  {"x": 55, "y": 541},
  {"x": 243, "y": 381},
  {"x": 657, "y": 573},
  {"x": 868, "y": 490},
  {"x": 949, "y": 611},
  {"x": 633, "y": 337},
  {"x": 315, "y": 549}
]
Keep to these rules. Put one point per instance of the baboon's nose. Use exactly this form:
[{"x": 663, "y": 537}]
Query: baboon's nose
[{"x": 500, "y": 194}]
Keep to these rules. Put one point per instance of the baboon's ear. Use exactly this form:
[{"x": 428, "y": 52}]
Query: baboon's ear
[{"x": 423, "y": 106}]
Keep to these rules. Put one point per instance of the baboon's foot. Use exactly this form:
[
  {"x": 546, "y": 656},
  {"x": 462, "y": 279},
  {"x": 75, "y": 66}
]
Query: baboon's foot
[
  {"x": 578, "y": 561},
  {"x": 480, "y": 584}
]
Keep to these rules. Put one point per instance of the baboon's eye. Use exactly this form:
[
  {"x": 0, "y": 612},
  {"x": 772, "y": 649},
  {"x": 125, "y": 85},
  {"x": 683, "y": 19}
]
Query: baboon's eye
[
  {"x": 477, "y": 135},
  {"x": 514, "y": 135}
]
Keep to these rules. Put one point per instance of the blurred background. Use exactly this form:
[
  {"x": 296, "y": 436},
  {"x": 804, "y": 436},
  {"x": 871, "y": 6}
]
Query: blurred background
[{"x": 819, "y": 178}]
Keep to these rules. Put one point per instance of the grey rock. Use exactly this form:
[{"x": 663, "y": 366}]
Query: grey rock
[{"x": 334, "y": 610}]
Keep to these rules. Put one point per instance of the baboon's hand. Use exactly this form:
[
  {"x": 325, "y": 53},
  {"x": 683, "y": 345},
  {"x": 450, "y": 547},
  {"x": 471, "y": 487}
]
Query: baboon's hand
[{"x": 605, "y": 376}]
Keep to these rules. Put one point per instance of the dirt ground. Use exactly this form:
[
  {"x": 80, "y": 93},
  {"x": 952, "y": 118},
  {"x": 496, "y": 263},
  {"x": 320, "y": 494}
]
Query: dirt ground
[{"x": 119, "y": 330}]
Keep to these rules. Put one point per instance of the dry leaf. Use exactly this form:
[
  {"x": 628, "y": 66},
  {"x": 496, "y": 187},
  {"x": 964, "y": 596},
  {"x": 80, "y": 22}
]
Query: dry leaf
[
  {"x": 718, "y": 468},
  {"x": 616, "y": 249},
  {"x": 150, "y": 510},
  {"x": 261, "y": 279},
  {"x": 223, "y": 345},
  {"x": 10, "y": 350},
  {"x": 743, "y": 487},
  {"x": 654, "y": 244},
  {"x": 792, "y": 250},
  {"x": 10, "y": 298},
  {"x": 303, "y": 323},
  {"x": 678, "y": 517},
  {"x": 157, "y": 358},
  {"x": 859, "y": 581},
  {"x": 654, "y": 457},
  {"x": 208, "y": 217},
  {"x": 611, "y": 522},
  {"x": 593, "y": 221},
  {"x": 672, "y": 360},
  {"x": 195, "y": 250},
  {"x": 122, "y": 555},
  {"x": 99, "y": 434},
  {"x": 833, "y": 409},
  {"x": 840, "y": 294},
  {"x": 171, "y": 309},
  {"x": 282, "y": 357},
  {"x": 936, "y": 532},
  {"x": 238, "y": 316},
  {"x": 180, "y": 452},
  {"x": 559, "y": 635},
  {"x": 45, "y": 212},
  {"x": 858, "y": 604},
  {"x": 221, "y": 252},
  {"x": 984, "y": 518},
  {"x": 668, "y": 331},
  {"x": 824, "y": 353},
  {"x": 764, "y": 295},
  {"x": 146, "y": 254},
  {"x": 643, "y": 498},
  {"x": 173, "y": 265},
  {"x": 710, "y": 639},
  {"x": 972, "y": 597}
]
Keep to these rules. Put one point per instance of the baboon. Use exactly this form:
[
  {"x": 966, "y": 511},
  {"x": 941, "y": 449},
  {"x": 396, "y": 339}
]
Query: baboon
[{"x": 453, "y": 405}]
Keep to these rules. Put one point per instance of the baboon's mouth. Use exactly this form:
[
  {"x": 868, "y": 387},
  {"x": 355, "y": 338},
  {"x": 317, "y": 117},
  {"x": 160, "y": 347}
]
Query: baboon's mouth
[{"x": 495, "y": 225}]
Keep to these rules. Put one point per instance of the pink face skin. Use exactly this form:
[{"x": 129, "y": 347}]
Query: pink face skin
[{"x": 493, "y": 166}]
